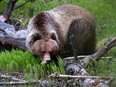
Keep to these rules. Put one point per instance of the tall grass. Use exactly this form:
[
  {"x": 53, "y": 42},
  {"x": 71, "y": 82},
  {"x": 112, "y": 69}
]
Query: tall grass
[
  {"x": 104, "y": 12},
  {"x": 19, "y": 61}
]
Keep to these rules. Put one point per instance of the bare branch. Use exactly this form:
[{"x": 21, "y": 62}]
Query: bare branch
[
  {"x": 83, "y": 56},
  {"x": 56, "y": 75},
  {"x": 1, "y": 0},
  {"x": 17, "y": 39},
  {"x": 103, "y": 50},
  {"x": 11, "y": 77},
  {"x": 7, "y": 12},
  {"x": 79, "y": 72},
  {"x": 9, "y": 36},
  {"x": 22, "y": 4},
  {"x": 108, "y": 45}
]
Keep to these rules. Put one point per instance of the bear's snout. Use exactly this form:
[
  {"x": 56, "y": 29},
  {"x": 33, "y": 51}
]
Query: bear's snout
[
  {"x": 44, "y": 49},
  {"x": 46, "y": 58}
]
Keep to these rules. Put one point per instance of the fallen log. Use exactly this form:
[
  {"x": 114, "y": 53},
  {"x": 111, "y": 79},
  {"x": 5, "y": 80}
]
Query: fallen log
[
  {"x": 90, "y": 81},
  {"x": 77, "y": 69},
  {"x": 9, "y": 36},
  {"x": 97, "y": 55},
  {"x": 78, "y": 74}
]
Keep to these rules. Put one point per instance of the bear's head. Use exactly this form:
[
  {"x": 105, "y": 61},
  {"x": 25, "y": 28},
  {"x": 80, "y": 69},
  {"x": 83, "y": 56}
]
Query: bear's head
[
  {"x": 44, "y": 48},
  {"x": 42, "y": 39}
]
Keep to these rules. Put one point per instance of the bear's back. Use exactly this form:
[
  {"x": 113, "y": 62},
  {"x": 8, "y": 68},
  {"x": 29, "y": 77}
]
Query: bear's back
[{"x": 65, "y": 14}]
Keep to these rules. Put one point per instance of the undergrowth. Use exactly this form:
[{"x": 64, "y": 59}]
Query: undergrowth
[
  {"x": 104, "y": 12},
  {"x": 102, "y": 67},
  {"x": 19, "y": 61}
]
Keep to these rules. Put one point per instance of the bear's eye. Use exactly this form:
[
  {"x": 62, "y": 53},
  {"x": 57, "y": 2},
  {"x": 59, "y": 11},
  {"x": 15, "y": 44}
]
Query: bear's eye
[
  {"x": 36, "y": 37},
  {"x": 52, "y": 53},
  {"x": 43, "y": 52},
  {"x": 53, "y": 36}
]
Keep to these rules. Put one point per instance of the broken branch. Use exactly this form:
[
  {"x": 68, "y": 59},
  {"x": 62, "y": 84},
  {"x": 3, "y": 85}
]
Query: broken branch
[
  {"x": 56, "y": 75},
  {"x": 108, "y": 45},
  {"x": 7, "y": 12},
  {"x": 22, "y": 4},
  {"x": 9, "y": 36}
]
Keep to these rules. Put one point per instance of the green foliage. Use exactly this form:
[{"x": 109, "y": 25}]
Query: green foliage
[
  {"x": 20, "y": 61},
  {"x": 104, "y": 12},
  {"x": 102, "y": 68}
]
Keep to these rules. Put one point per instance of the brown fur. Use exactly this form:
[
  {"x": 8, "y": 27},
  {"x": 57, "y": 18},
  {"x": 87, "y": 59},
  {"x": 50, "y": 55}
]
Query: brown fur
[{"x": 64, "y": 30}]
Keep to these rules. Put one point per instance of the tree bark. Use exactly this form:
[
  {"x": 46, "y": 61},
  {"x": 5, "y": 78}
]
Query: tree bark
[
  {"x": 7, "y": 12},
  {"x": 8, "y": 35}
]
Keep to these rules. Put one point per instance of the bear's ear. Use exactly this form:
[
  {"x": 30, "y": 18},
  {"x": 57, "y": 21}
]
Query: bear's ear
[{"x": 53, "y": 36}]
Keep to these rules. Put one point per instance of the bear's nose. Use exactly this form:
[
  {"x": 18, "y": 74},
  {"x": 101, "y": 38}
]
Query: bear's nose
[{"x": 46, "y": 58}]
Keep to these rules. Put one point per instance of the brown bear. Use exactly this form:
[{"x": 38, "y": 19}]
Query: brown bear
[{"x": 66, "y": 30}]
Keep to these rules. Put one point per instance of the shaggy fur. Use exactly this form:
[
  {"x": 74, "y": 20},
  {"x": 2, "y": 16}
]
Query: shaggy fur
[{"x": 65, "y": 30}]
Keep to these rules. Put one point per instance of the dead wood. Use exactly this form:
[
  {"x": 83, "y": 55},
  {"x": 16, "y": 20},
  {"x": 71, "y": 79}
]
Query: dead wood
[
  {"x": 7, "y": 12},
  {"x": 77, "y": 69},
  {"x": 8, "y": 35},
  {"x": 78, "y": 74},
  {"x": 13, "y": 80},
  {"x": 104, "y": 49},
  {"x": 10, "y": 7},
  {"x": 22, "y": 4},
  {"x": 1, "y": 0},
  {"x": 56, "y": 75},
  {"x": 97, "y": 55}
]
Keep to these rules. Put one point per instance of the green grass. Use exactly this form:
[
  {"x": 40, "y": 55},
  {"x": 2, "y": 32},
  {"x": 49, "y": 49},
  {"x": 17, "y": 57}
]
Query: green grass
[
  {"x": 104, "y": 12},
  {"x": 19, "y": 61},
  {"x": 102, "y": 68}
]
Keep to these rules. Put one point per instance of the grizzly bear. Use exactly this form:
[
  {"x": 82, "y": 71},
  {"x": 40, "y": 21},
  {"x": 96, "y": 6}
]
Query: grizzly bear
[{"x": 66, "y": 30}]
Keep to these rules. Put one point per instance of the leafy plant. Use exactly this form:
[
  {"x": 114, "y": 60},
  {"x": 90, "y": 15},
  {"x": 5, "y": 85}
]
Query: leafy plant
[
  {"x": 104, "y": 12},
  {"x": 20, "y": 61}
]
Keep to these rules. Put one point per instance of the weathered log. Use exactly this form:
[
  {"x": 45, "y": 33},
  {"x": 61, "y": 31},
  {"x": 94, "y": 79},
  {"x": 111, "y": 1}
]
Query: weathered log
[
  {"x": 83, "y": 77},
  {"x": 9, "y": 36},
  {"x": 79, "y": 71},
  {"x": 16, "y": 81},
  {"x": 91, "y": 81},
  {"x": 104, "y": 49},
  {"x": 98, "y": 54}
]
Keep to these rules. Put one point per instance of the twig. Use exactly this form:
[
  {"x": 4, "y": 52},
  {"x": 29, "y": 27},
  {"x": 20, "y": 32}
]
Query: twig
[
  {"x": 19, "y": 83},
  {"x": 84, "y": 56},
  {"x": 109, "y": 44},
  {"x": 16, "y": 81},
  {"x": 11, "y": 37},
  {"x": 110, "y": 81},
  {"x": 12, "y": 77},
  {"x": 98, "y": 55},
  {"x": 56, "y": 75},
  {"x": 23, "y": 3},
  {"x": 7, "y": 12}
]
